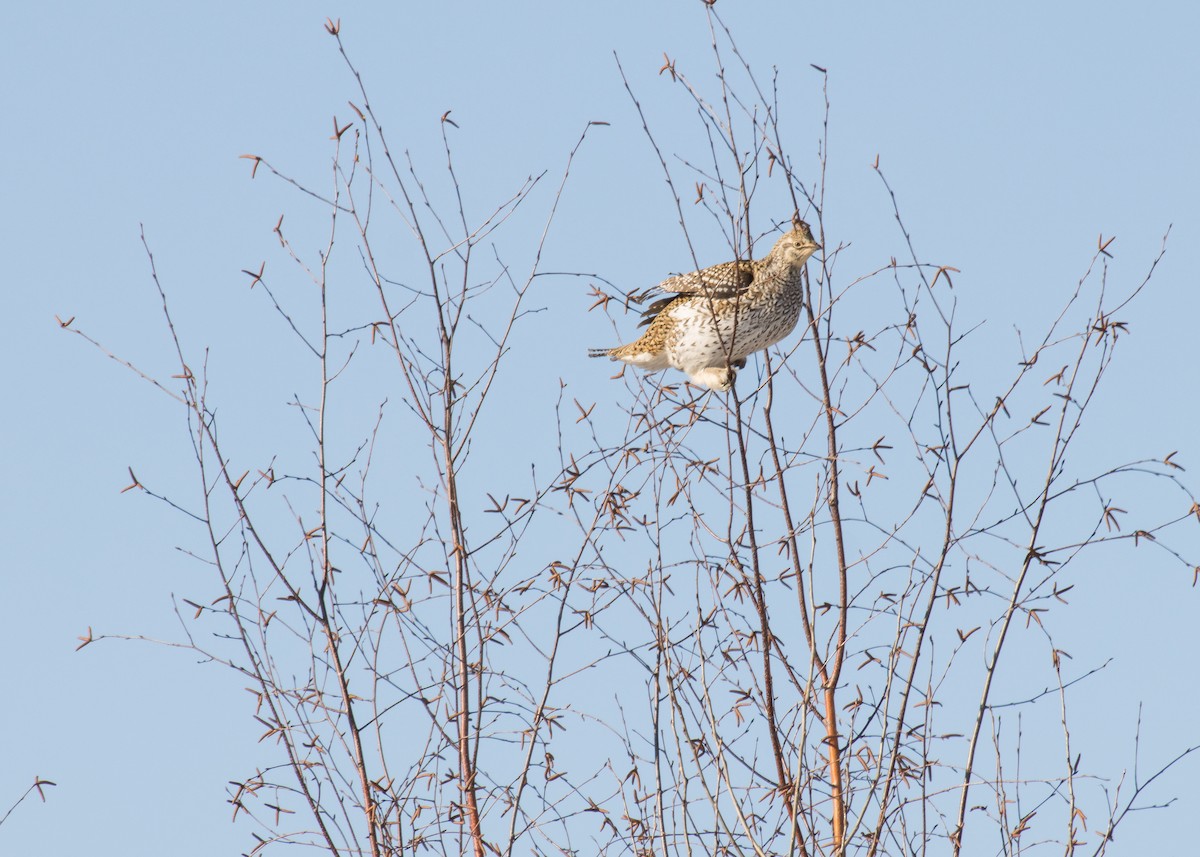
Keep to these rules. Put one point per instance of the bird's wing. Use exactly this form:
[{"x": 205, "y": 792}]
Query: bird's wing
[{"x": 727, "y": 280}]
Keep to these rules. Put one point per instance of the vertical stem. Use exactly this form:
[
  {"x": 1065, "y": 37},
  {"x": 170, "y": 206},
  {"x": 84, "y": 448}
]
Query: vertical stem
[
  {"x": 832, "y": 738},
  {"x": 760, "y": 604},
  {"x": 466, "y": 767},
  {"x": 1062, "y": 438},
  {"x": 325, "y": 589}
]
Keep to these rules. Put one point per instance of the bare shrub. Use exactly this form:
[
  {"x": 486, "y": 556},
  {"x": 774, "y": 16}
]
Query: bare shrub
[{"x": 814, "y": 616}]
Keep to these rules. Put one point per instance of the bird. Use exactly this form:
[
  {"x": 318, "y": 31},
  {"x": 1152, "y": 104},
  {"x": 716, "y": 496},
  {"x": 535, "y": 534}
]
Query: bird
[{"x": 711, "y": 320}]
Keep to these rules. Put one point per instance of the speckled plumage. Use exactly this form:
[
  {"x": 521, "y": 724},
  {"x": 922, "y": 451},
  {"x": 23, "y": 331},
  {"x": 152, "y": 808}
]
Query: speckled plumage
[{"x": 716, "y": 317}]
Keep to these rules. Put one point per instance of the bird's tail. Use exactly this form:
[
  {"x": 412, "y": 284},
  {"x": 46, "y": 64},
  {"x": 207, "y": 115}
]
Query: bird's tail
[{"x": 600, "y": 352}]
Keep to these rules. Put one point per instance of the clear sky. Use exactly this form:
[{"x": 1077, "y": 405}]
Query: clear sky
[{"x": 1013, "y": 134}]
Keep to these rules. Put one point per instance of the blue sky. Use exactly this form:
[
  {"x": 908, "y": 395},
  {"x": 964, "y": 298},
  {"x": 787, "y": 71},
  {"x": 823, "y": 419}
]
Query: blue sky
[{"x": 1014, "y": 136}]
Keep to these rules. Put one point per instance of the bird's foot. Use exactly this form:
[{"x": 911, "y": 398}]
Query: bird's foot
[{"x": 717, "y": 378}]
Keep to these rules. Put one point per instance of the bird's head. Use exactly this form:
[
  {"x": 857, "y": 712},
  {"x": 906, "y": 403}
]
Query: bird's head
[{"x": 795, "y": 247}]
